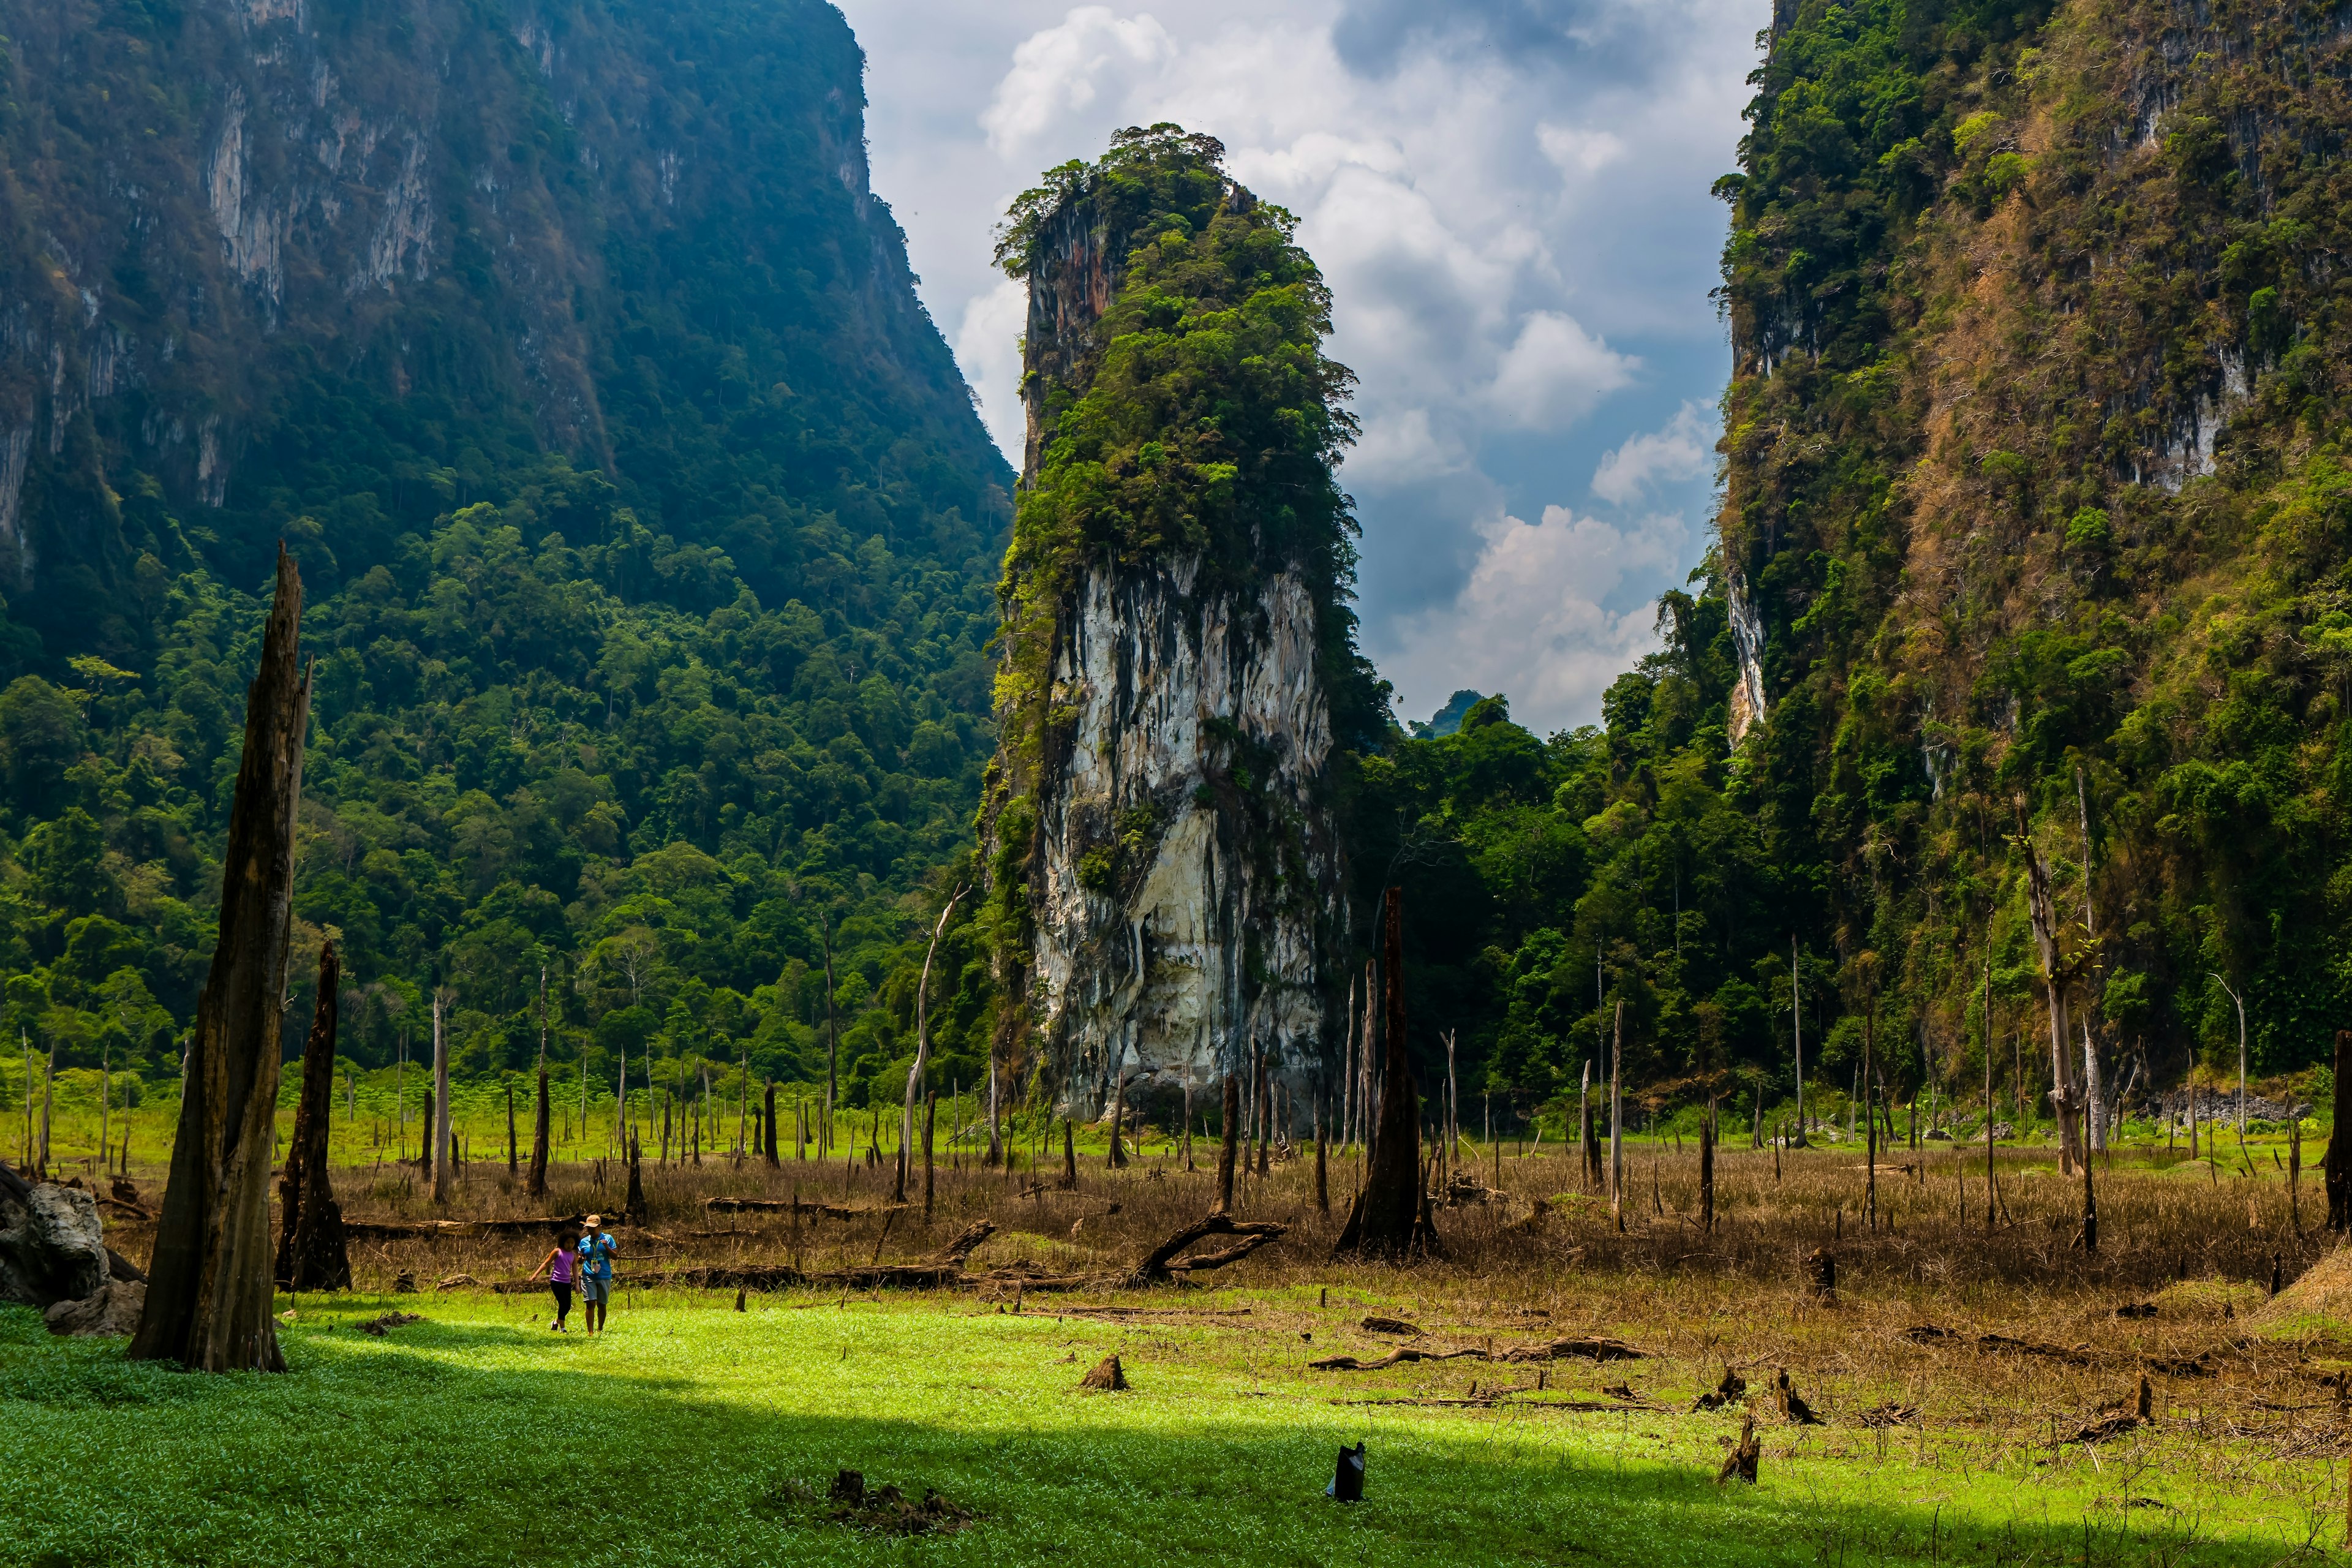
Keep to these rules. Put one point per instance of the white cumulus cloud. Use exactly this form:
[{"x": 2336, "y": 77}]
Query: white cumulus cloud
[
  {"x": 1555, "y": 373},
  {"x": 1677, "y": 452},
  {"x": 1059, "y": 71},
  {"x": 1541, "y": 618}
]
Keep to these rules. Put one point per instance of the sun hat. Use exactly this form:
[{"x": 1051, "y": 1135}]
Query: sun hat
[{"x": 594, "y": 1222}]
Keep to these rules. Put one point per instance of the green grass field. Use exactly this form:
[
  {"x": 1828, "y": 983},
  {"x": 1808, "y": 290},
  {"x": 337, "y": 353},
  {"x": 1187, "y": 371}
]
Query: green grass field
[{"x": 479, "y": 1437}]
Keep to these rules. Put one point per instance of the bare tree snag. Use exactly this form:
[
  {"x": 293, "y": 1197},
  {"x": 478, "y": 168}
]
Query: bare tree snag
[
  {"x": 1228, "y": 1145},
  {"x": 1741, "y": 1464},
  {"x": 536, "y": 1184},
  {"x": 1116, "y": 1158},
  {"x": 930, "y": 1116},
  {"x": 633, "y": 1209},
  {"x": 445, "y": 1137},
  {"x": 1322, "y": 1139},
  {"x": 2055, "y": 977},
  {"x": 1393, "y": 1220},
  {"x": 1069, "y": 1153},
  {"x": 1706, "y": 1170},
  {"x": 208, "y": 1291},
  {"x": 312, "y": 1252},
  {"x": 774, "y": 1159},
  {"x": 922, "y": 1056},
  {"x": 2335, "y": 1166}
]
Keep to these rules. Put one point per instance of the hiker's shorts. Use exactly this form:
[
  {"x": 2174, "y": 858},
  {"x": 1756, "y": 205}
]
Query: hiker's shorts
[{"x": 596, "y": 1292}]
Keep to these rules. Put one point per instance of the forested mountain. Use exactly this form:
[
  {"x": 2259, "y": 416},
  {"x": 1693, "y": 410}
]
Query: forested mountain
[
  {"x": 2036, "y": 530},
  {"x": 650, "y": 536},
  {"x": 646, "y": 525}
]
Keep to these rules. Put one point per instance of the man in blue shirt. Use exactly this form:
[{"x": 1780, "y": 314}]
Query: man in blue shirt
[{"x": 597, "y": 1250}]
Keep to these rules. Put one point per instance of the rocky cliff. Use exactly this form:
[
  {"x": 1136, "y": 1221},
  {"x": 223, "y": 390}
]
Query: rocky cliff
[
  {"x": 1160, "y": 821},
  {"x": 278, "y": 269},
  {"x": 2036, "y": 524}
]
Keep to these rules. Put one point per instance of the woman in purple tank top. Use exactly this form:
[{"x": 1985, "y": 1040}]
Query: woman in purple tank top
[{"x": 563, "y": 1267}]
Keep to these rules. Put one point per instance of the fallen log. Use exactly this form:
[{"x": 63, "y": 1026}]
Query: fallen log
[
  {"x": 399, "y": 1229},
  {"x": 1154, "y": 1311},
  {"x": 2034, "y": 1348},
  {"x": 1582, "y": 1348},
  {"x": 1160, "y": 1262},
  {"x": 796, "y": 1206},
  {"x": 1401, "y": 1354},
  {"x": 900, "y": 1276},
  {"x": 1218, "y": 1259}
]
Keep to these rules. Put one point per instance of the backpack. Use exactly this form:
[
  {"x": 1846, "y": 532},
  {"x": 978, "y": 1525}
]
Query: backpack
[{"x": 1348, "y": 1480}]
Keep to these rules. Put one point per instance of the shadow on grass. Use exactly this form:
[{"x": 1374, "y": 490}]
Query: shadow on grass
[{"x": 679, "y": 1440}]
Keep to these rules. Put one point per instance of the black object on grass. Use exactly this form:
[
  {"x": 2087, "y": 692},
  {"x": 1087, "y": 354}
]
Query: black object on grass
[{"x": 1348, "y": 1480}]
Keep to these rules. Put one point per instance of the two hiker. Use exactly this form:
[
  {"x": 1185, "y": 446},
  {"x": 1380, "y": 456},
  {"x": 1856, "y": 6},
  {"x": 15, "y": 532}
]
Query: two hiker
[{"x": 588, "y": 1259}]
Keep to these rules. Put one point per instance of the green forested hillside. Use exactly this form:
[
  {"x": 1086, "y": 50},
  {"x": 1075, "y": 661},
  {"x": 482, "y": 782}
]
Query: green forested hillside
[
  {"x": 2037, "y": 497},
  {"x": 646, "y": 525}
]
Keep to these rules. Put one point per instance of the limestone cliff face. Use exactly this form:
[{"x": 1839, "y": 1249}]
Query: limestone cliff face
[
  {"x": 1182, "y": 858},
  {"x": 266, "y": 258}
]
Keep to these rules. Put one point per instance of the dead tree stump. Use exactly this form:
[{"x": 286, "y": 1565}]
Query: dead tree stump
[
  {"x": 2335, "y": 1166},
  {"x": 1741, "y": 1464},
  {"x": 1108, "y": 1377},
  {"x": 208, "y": 1291},
  {"x": 1393, "y": 1217},
  {"x": 1820, "y": 1275}
]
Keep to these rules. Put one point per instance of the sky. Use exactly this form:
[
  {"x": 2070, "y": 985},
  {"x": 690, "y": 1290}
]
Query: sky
[{"x": 1509, "y": 199}]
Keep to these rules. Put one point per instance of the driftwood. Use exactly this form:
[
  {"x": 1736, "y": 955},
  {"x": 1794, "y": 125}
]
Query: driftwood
[
  {"x": 1582, "y": 1348},
  {"x": 1377, "y": 1325},
  {"x": 1162, "y": 1261},
  {"x": 209, "y": 1296}
]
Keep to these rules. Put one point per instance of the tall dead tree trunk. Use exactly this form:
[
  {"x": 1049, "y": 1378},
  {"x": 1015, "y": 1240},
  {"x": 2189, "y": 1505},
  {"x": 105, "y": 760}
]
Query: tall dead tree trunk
[
  {"x": 1228, "y": 1144},
  {"x": 536, "y": 1183},
  {"x": 1322, "y": 1139},
  {"x": 2335, "y": 1166},
  {"x": 2044, "y": 916},
  {"x": 311, "y": 1251},
  {"x": 1706, "y": 1170},
  {"x": 774, "y": 1159},
  {"x": 1116, "y": 1158},
  {"x": 1390, "y": 1220},
  {"x": 922, "y": 1049},
  {"x": 444, "y": 1140},
  {"x": 208, "y": 1289}
]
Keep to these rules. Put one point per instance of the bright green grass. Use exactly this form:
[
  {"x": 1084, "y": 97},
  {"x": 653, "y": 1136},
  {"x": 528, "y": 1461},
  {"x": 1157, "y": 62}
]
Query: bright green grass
[{"x": 479, "y": 1437}]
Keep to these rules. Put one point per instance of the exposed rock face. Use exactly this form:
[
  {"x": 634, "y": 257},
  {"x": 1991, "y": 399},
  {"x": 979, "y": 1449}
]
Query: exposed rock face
[
  {"x": 1184, "y": 874},
  {"x": 1186, "y": 866},
  {"x": 52, "y": 1245},
  {"x": 227, "y": 215}
]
